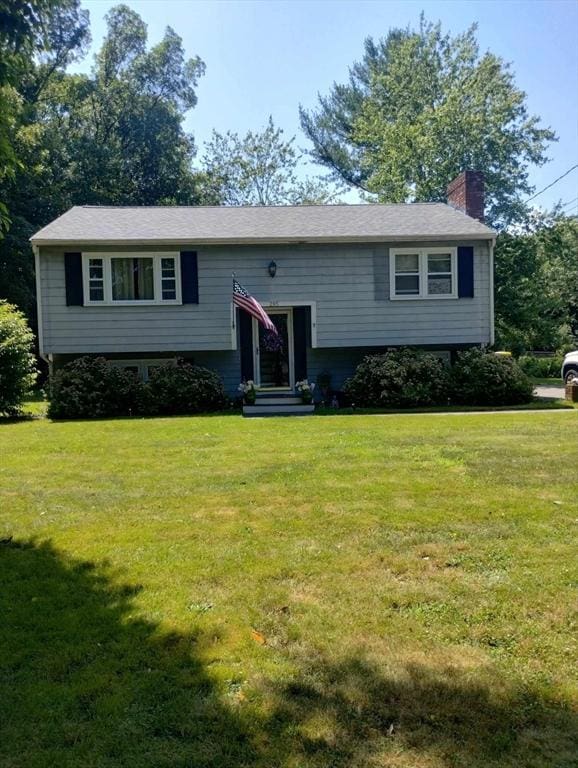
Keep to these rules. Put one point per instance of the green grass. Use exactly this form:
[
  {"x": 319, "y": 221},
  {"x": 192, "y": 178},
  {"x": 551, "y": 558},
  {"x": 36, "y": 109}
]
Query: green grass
[
  {"x": 355, "y": 591},
  {"x": 35, "y": 408},
  {"x": 537, "y": 404}
]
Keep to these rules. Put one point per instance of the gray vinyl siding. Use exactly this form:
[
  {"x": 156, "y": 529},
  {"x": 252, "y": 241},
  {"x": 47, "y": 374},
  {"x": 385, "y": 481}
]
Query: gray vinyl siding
[
  {"x": 341, "y": 362},
  {"x": 349, "y": 284},
  {"x": 227, "y": 364}
]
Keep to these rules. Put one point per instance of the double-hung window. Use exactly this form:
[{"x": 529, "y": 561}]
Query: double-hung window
[
  {"x": 168, "y": 279},
  {"x": 127, "y": 279},
  {"x": 423, "y": 273},
  {"x": 407, "y": 279},
  {"x": 95, "y": 280}
]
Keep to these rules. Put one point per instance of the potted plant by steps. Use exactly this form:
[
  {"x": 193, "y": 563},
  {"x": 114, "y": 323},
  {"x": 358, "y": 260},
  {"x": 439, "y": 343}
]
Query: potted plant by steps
[
  {"x": 305, "y": 389},
  {"x": 247, "y": 389}
]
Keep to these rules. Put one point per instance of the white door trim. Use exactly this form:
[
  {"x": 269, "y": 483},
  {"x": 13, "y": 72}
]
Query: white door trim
[
  {"x": 256, "y": 357},
  {"x": 273, "y": 305}
]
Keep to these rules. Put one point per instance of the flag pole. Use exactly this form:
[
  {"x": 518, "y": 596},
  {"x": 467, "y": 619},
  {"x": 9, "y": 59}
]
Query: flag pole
[{"x": 233, "y": 313}]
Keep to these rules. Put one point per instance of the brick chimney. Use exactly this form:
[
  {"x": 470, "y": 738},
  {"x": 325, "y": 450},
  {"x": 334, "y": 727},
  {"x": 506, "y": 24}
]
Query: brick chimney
[{"x": 466, "y": 193}]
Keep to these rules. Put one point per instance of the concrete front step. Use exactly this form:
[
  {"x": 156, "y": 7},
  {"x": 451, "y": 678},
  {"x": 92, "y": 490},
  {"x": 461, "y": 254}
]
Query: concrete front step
[
  {"x": 278, "y": 410},
  {"x": 278, "y": 400}
]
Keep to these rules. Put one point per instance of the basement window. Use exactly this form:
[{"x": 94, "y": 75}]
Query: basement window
[{"x": 142, "y": 368}]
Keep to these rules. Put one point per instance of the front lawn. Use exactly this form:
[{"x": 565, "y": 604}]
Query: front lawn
[{"x": 354, "y": 591}]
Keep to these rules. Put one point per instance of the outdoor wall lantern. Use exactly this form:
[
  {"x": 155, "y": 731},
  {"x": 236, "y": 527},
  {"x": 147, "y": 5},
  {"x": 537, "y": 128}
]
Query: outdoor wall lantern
[{"x": 272, "y": 268}]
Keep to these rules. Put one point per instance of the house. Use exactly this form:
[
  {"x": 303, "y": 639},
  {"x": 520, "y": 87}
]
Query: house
[{"x": 145, "y": 286}]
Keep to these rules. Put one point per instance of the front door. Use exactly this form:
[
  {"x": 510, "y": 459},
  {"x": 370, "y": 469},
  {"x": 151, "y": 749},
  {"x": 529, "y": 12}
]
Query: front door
[{"x": 273, "y": 353}]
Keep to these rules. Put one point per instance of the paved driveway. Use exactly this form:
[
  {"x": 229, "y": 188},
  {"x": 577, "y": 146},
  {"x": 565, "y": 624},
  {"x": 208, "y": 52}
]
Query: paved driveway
[{"x": 550, "y": 393}]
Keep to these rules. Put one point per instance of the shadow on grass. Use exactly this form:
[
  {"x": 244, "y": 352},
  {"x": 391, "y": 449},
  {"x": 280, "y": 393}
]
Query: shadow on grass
[
  {"x": 19, "y": 418},
  {"x": 84, "y": 682},
  {"x": 24, "y": 417},
  {"x": 432, "y": 716}
]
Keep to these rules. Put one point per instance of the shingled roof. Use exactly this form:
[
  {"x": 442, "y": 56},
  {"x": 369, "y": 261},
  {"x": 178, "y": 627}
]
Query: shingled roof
[{"x": 260, "y": 224}]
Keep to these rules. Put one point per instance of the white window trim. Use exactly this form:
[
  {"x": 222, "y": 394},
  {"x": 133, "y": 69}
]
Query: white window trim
[
  {"x": 423, "y": 253},
  {"x": 107, "y": 272}
]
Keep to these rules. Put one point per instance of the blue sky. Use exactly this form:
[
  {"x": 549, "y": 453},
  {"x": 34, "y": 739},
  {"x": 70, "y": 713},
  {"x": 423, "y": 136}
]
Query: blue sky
[{"x": 267, "y": 57}]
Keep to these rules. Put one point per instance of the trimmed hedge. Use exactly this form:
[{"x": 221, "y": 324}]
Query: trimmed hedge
[
  {"x": 400, "y": 378},
  {"x": 89, "y": 388},
  {"x": 17, "y": 361},
  {"x": 185, "y": 389},
  {"x": 483, "y": 378}
]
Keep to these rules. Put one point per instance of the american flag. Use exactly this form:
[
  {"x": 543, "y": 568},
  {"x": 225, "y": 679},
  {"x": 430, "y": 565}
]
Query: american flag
[{"x": 244, "y": 300}]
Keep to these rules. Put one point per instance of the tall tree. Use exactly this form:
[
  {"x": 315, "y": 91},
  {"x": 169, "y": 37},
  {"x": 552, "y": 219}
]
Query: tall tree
[
  {"x": 121, "y": 128},
  {"x": 260, "y": 168},
  {"x": 536, "y": 284},
  {"x": 113, "y": 137},
  {"x": 420, "y": 107},
  {"x": 559, "y": 246},
  {"x": 37, "y": 37}
]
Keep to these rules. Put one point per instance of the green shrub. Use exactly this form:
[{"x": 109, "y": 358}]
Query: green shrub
[
  {"x": 400, "y": 378},
  {"x": 541, "y": 367},
  {"x": 184, "y": 389},
  {"x": 483, "y": 378},
  {"x": 569, "y": 346},
  {"x": 89, "y": 388},
  {"x": 17, "y": 361}
]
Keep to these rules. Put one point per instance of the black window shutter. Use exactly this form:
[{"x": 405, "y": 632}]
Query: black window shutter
[
  {"x": 189, "y": 277},
  {"x": 73, "y": 279},
  {"x": 300, "y": 339},
  {"x": 465, "y": 272},
  {"x": 246, "y": 344}
]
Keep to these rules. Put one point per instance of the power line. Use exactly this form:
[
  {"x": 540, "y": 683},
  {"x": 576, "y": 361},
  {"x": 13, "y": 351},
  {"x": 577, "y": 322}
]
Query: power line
[
  {"x": 569, "y": 202},
  {"x": 552, "y": 184}
]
